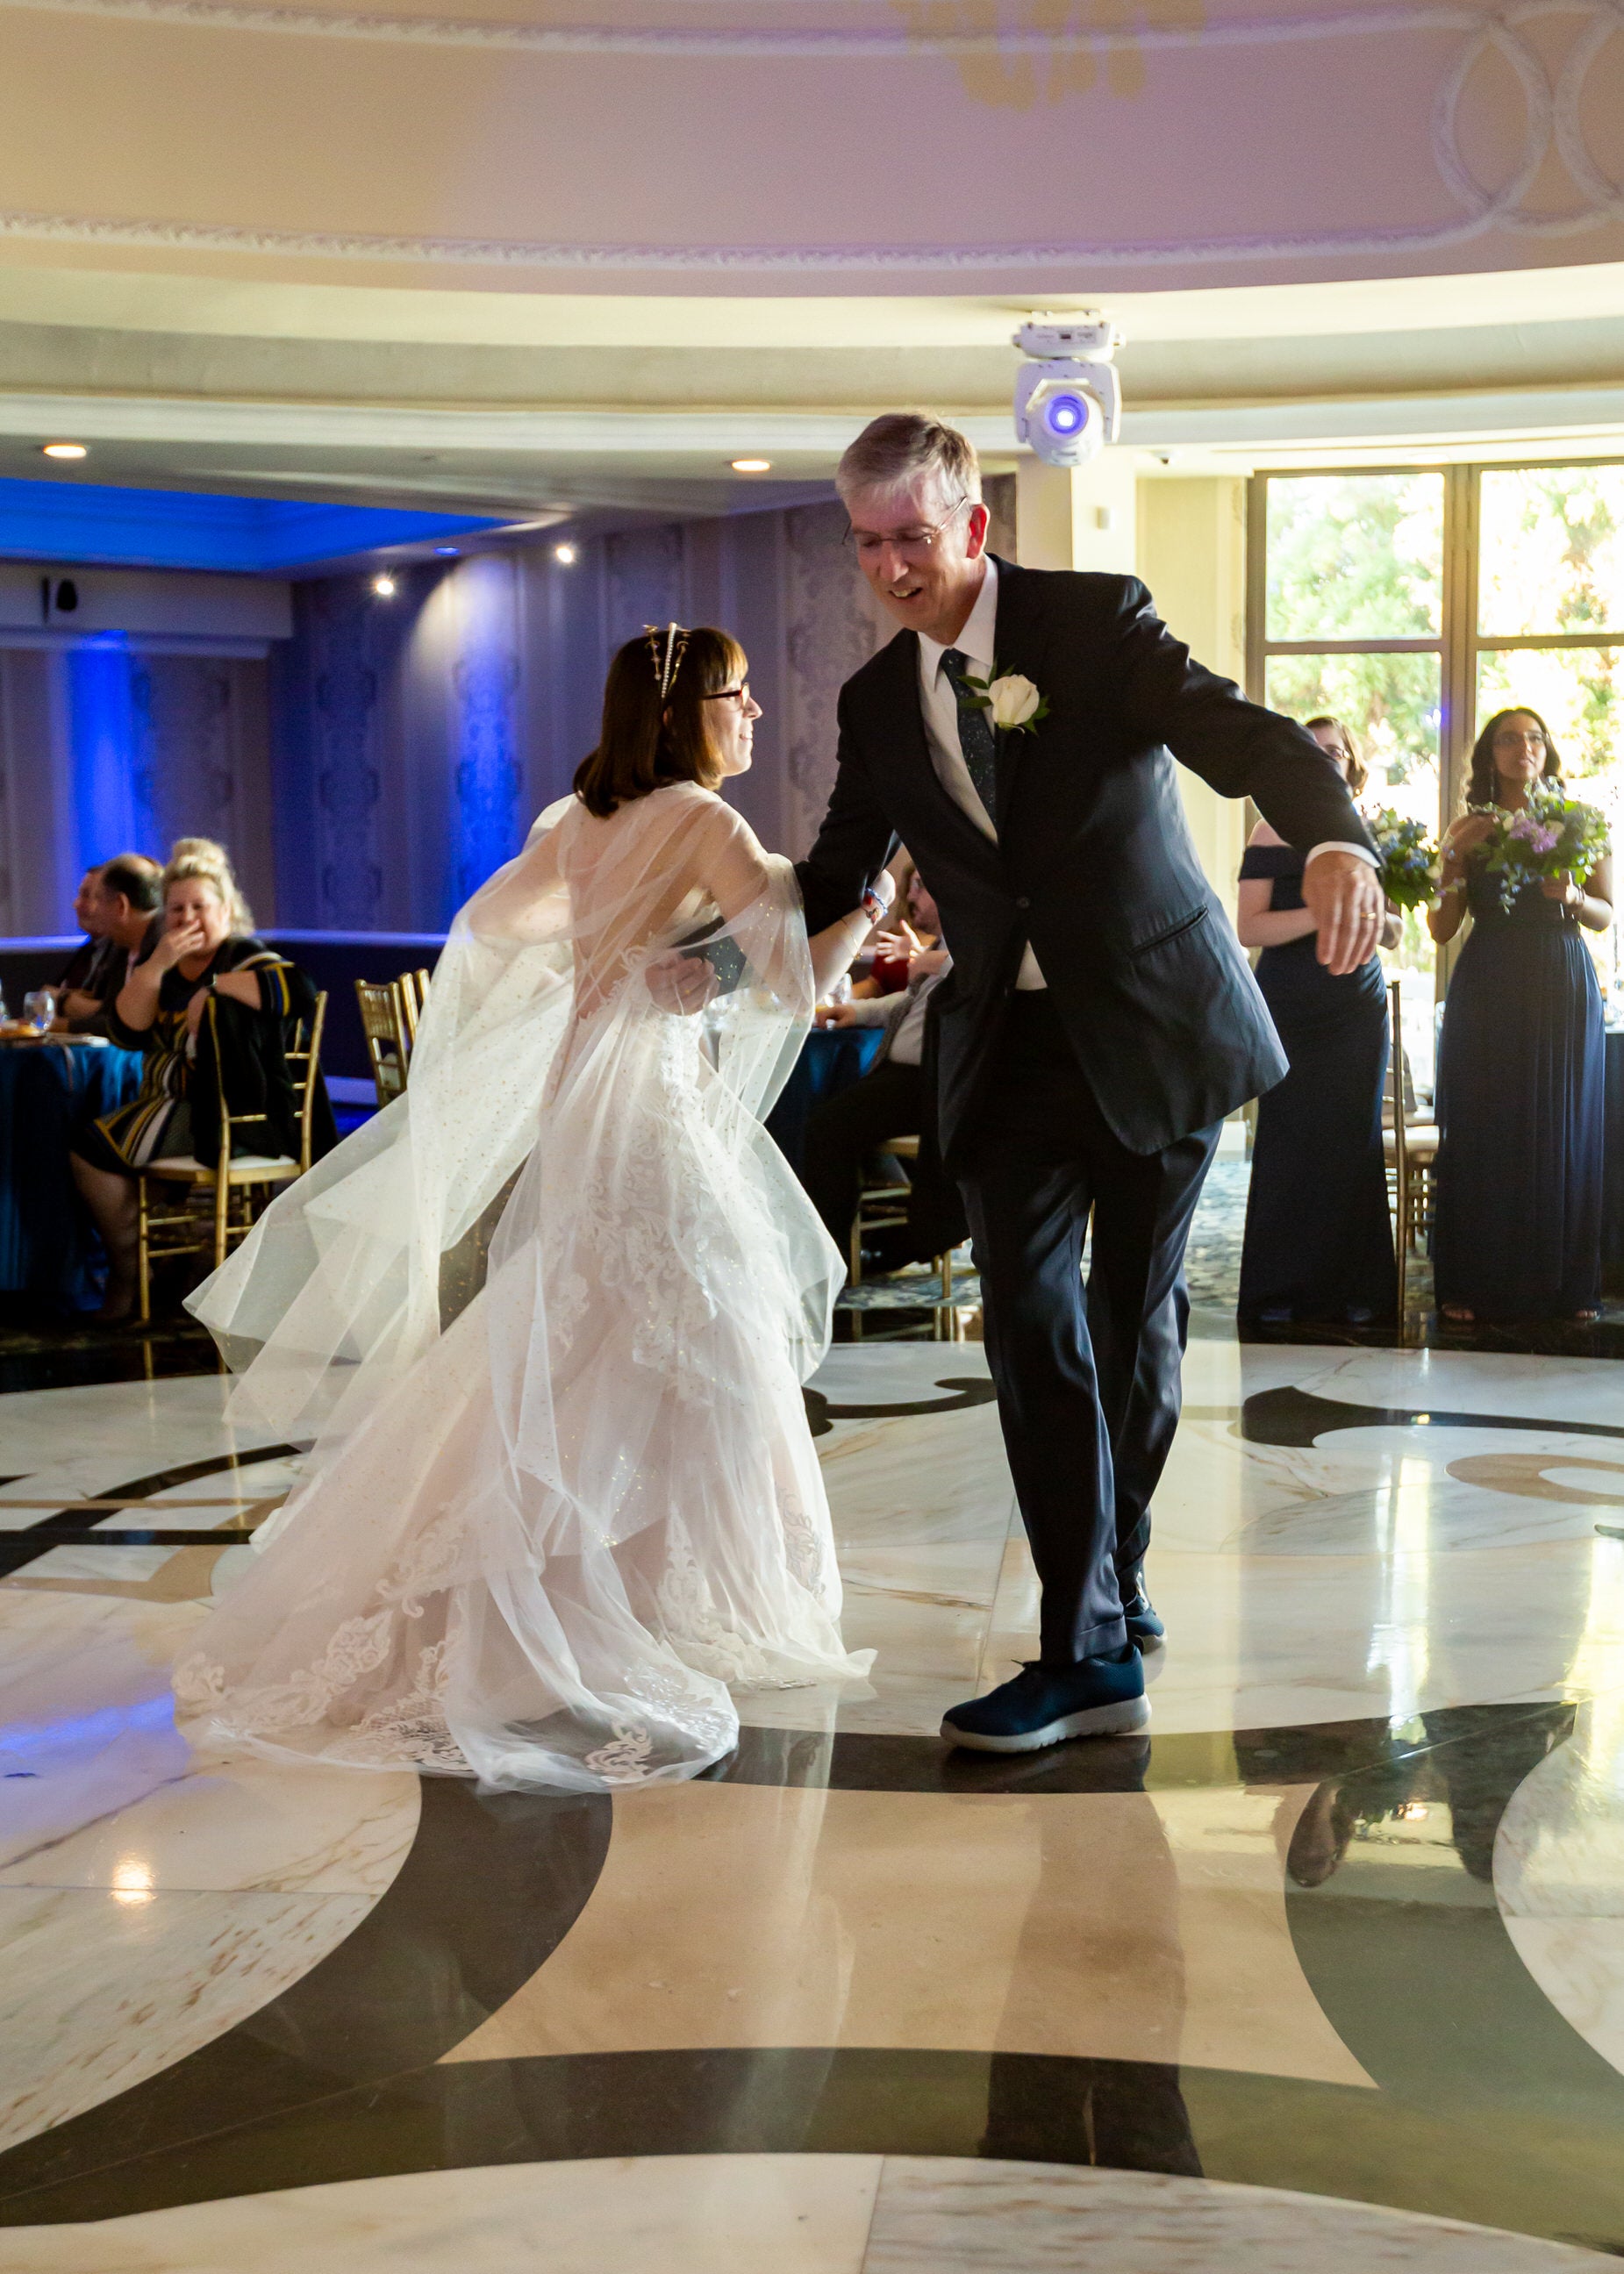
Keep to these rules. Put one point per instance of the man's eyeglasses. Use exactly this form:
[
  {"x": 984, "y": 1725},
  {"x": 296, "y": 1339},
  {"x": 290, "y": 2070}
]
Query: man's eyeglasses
[{"x": 913, "y": 544}]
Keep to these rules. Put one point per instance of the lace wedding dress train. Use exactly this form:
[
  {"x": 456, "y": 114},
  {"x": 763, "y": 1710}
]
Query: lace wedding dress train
[{"x": 544, "y": 1529}]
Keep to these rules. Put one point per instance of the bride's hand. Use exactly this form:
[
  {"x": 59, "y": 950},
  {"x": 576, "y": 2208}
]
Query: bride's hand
[{"x": 681, "y": 984}]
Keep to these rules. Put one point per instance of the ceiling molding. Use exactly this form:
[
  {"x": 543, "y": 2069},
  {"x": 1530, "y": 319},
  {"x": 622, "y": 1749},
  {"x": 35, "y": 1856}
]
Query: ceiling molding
[
  {"x": 790, "y": 260},
  {"x": 681, "y": 41}
]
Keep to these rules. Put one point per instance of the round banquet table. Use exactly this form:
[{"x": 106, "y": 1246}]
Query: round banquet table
[
  {"x": 832, "y": 1059},
  {"x": 48, "y": 1249}
]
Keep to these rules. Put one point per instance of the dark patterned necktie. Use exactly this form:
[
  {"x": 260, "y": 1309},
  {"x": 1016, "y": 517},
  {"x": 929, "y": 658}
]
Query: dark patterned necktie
[{"x": 976, "y": 738}]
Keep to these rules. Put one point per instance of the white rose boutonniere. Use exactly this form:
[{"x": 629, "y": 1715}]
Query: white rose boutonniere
[{"x": 1012, "y": 702}]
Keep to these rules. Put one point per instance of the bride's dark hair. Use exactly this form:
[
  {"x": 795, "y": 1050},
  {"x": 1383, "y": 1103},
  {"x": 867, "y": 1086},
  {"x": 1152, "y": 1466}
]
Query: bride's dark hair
[{"x": 656, "y": 727}]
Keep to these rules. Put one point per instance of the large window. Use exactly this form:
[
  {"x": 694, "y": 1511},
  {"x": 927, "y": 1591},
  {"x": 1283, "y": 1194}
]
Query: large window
[{"x": 1412, "y": 603}]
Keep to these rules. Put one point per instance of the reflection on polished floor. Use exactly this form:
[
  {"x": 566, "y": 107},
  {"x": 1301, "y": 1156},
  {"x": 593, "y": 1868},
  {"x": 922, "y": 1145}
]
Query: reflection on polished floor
[{"x": 1324, "y": 1970}]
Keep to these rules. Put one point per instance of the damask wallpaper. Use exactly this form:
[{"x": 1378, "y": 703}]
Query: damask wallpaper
[
  {"x": 415, "y": 738},
  {"x": 107, "y": 748}
]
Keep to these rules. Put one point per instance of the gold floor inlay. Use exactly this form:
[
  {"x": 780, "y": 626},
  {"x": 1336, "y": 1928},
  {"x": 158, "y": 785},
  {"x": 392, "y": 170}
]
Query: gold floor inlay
[{"x": 1118, "y": 1925}]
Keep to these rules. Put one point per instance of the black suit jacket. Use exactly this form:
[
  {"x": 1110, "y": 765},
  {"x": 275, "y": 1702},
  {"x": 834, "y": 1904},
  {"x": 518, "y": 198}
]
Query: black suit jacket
[{"x": 1094, "y": 863}]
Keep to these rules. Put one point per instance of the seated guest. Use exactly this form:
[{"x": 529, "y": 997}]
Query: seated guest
[
  {"x": 893, "y": 1099},
  {"x": 209, "y": 994},
  {"x": 120, "y": 912},
  {"x": 86, "y": 954}
]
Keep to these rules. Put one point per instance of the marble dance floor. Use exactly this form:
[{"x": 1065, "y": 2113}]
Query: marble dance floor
[{"x": 1324, "y": 1972}]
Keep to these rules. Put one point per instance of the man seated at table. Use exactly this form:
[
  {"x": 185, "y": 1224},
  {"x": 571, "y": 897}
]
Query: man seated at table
[
  {"x": 893, "y": 1099},
  {"x": 91, "y": 953},
  {"x": 121, "y": 913}
]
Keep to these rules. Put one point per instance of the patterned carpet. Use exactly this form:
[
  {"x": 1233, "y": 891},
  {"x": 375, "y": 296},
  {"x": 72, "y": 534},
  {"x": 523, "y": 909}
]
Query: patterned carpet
[{"x": 1212, "y": 1262}]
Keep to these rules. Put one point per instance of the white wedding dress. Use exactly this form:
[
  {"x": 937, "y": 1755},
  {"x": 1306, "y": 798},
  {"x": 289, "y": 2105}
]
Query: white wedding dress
[{"x": 540, "y": 1535}]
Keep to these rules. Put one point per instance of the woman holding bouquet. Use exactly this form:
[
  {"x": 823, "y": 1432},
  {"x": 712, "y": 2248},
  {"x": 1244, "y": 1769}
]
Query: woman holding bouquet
[
  {"x": 1520, "y": 1064},
  {"x": 1319, "y": 1241}
]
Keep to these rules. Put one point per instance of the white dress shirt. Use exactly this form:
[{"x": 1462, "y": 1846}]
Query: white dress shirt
[
  {"x": 939, "y": 702},
  {"x": 903, "y": 1014}
]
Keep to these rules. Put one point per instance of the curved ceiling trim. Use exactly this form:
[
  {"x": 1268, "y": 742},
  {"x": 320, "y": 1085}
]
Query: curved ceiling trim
[
  {"x": 797, "y": 260},
  {"x": 685, "y": 41}
]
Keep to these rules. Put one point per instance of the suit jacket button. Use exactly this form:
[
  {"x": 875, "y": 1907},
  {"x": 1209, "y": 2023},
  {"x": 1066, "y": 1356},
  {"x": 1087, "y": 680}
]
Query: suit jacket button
[{"x": 1022, "y": 901}]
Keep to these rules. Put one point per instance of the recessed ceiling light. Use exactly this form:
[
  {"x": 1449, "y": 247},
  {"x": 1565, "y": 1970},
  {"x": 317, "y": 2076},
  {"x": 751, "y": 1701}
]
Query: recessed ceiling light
[
  {"x": 448, "y": 552},
  {"x": 384, "y": 586},
  {"x": 752, "y": 466},
  {"x": 65, "y": 450},
  {"x": 566, "y": 555}
]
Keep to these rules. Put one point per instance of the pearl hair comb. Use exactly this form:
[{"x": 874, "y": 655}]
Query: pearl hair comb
[{"x": 670, "y": 662}]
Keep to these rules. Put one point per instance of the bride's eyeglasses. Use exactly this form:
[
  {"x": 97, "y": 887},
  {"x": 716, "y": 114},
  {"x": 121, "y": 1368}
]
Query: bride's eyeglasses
[{"x": 738, "y": 695}]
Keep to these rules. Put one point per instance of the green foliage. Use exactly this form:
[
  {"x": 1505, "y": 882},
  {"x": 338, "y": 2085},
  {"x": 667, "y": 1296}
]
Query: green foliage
[{"x": 1356, "y": 556}]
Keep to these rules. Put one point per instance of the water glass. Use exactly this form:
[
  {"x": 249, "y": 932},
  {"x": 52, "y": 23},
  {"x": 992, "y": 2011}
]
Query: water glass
[{"x": 38, "y": 1009}]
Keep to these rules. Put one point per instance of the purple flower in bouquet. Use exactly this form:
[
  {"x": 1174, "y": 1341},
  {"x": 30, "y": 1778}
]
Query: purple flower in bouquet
[{"x": 1534, "y": 834}]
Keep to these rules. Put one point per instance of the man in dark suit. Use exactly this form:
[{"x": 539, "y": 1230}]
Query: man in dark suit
[{"x": 1100, "y": 1020}]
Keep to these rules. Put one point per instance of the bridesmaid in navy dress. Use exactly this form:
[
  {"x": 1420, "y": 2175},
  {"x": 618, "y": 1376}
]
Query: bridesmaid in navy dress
[
  {"x": 1319, "y": 1237},
  {"x": 1521, "y": 1066}
]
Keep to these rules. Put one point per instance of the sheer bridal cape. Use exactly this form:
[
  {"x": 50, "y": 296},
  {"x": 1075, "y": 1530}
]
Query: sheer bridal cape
[{"x": 550, "y": 1518}]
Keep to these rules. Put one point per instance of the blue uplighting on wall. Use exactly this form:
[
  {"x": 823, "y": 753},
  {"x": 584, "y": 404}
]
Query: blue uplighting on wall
[
  {"x": 91, "y": 523},
  {"x": 111, "y": 798}
]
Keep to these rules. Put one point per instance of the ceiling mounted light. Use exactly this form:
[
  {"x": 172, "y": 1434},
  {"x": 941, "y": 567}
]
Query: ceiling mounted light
[
  {"x": 64, "y": 450},
  {"x": 566, "y": 555},
  {"x": 384, "y": 586},
  {"x": 752, "y": 466},
  {"x": 448, "y": 552}
]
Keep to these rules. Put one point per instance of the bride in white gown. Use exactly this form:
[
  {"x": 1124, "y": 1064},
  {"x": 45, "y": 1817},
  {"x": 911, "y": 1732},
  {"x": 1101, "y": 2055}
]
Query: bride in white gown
[{"x": 540, "y": 1535}]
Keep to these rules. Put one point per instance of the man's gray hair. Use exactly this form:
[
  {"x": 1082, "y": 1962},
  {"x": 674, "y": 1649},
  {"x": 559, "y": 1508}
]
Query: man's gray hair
[{"x": 906, "y": 449}]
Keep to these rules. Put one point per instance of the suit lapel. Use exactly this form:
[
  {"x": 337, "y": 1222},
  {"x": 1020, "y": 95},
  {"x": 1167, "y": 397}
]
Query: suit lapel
[{"x": 1020, "y": 642}]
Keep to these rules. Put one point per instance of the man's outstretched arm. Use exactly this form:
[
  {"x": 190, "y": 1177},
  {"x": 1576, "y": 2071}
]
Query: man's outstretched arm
[
  {"x": 853, "y": 843},
  {"x": 1244, "y": 750}
]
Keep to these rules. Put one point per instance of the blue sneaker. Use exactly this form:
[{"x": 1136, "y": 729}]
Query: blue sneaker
[
  {"x": 1045, "y": 1705},
  {"x": 1144, "y": 1626}
]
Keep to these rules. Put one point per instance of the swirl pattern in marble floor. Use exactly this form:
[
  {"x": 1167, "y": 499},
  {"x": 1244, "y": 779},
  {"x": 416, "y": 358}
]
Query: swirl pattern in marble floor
[{"x": 1326, "y": 1969}]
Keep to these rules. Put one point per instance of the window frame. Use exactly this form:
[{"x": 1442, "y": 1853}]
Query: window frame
[{"x": 1458, "y": 643}]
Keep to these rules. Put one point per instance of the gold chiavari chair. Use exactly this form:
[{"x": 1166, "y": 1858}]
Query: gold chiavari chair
[
  {"x": 414, "y": 986},
  {"x": 1410, "y": 1147},
  {"x": 236, "y": 1181},
  {"x": 389, "y": 1022},
  {"x": 882, "y": 1206}
]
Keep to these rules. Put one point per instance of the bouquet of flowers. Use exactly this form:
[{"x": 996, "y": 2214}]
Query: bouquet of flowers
[
  {"x": 1553, "y": 836},
  {"x": 1408, "y": 858}
]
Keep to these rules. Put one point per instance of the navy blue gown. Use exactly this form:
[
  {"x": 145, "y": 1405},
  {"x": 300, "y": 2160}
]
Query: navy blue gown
[
  {"x": 1318, "y": 1234},
  {"x": 1522, "y": 1075}
]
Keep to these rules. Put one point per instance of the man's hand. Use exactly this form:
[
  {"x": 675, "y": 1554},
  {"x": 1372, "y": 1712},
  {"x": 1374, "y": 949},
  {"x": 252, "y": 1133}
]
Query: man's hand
[
  {"x": 1344, "y": 897},
  {"x": 681, "y": 984},
  {"x": 838, "y": 1014}
]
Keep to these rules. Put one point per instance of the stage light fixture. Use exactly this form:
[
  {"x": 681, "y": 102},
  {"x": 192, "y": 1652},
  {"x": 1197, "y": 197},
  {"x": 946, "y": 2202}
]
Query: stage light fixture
[
  {"x": 566, "y": 555},
  {"x": 752, "y": 466},
  {"x": 1068, "y": 397},
  {"x": 384, "y": 586},
  {"x": 64, "y": 450}
]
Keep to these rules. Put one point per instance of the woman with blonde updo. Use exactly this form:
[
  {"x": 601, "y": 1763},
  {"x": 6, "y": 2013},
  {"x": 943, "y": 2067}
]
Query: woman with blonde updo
[{"x": 209, "y": 992}]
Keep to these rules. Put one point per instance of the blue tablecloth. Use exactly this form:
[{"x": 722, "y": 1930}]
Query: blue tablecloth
[
  {"x": 47, "y": 1246},
  {"x": 832, "y": 1059}
]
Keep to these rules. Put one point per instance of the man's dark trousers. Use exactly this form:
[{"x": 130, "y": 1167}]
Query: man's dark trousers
[{"x": 1088, "y": 1395}]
